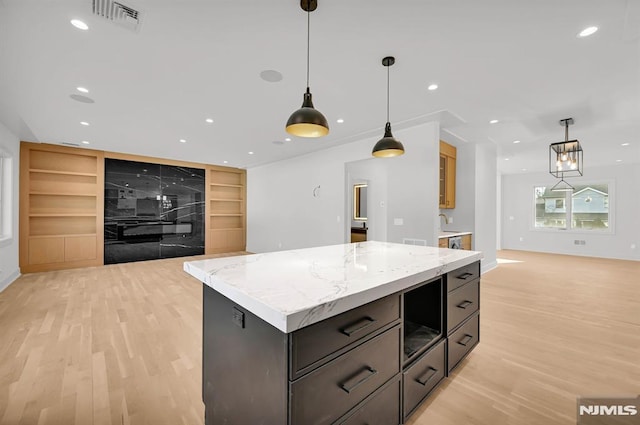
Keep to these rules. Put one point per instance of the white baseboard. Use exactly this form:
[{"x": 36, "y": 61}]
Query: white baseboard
[
  {"x": 485, "y": 267},
  {"x": 4, "y": 283}
]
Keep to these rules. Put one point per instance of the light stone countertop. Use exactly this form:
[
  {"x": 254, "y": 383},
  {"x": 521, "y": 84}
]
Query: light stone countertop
[
  {"x": 450, "y": 234},
  {"x": 294, "y": 289}
]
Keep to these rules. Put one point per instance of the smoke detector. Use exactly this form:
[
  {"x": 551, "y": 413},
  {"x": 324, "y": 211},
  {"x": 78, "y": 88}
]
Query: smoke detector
[{"x": 118, "y": 13}]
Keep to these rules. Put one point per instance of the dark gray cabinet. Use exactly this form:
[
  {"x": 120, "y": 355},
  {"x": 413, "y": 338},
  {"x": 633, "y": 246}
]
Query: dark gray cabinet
[{"x": 374, "y": 364}]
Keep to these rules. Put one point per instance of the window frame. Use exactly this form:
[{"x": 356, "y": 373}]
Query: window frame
[{"x": 568, "y": 214}]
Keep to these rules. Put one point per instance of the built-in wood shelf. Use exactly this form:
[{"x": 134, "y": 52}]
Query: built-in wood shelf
[
  {"x": 63, "y": 194},
  {"x": 64, "y": 173}
]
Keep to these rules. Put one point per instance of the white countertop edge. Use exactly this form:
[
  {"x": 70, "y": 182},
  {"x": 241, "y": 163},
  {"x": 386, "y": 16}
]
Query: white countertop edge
[
  {"x": 288, "y": 323},
  {"x": 446, "y": 234}
]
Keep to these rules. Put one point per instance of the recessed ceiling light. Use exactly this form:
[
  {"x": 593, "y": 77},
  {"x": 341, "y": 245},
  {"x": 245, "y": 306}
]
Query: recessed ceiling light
[
  {"x": 225, "y": 162},
  {"x": 209, "y": 120},
  {"x": 618, "y": 160},
  {"x": 587, "y": 31},
  {"x": 432, "y": 87},
  {"x": 82, "y": 90},
  {"x": 339, "y": 120},
  {"x": 183, "y": 141},
  {"x": 84, "y": 142},
  {"x": 516, "y": 141},
  {"x": 250, "y": 152},
  {"x": 524, "y": 169},
  {"x": 624, "y": 144},
  {"x": 271, "y": 75},
  {"x": 81, "y": 98},
  {"x": 79, "y": 24},
  {"x": 493, "y": 121},
  {"x": 506, "y": 159},
  {"x": 288, "y": 139},
  {"x": 84, "y": 123}
]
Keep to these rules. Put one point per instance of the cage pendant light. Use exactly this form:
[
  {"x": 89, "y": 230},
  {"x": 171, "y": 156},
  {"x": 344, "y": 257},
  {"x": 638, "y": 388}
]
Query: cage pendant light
[
  {"x": 307, "y": 121},
  {"x": 388, "y": 146},
  {"x": 565, "y": 158}
]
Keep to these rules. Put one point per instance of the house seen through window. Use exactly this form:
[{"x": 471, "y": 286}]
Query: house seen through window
[{"x": 586, "y": 208}]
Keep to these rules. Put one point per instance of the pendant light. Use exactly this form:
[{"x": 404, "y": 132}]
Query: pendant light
[
  {"x": 565, "y": 158},
  {"x": 307, "y": 121},
  {"x": 388, "y": 146}
]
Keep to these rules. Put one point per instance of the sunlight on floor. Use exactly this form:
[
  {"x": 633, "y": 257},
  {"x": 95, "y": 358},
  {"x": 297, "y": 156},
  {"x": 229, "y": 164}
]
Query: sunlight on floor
[{"x": 506, "y": 261}]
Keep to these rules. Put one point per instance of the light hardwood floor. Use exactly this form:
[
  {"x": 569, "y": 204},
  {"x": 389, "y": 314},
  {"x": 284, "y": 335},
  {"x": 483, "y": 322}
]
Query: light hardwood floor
[{"x": 121, "y": 344}]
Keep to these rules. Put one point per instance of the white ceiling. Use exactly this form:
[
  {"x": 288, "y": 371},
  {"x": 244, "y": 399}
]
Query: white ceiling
[{"x": 518, "y": 61}]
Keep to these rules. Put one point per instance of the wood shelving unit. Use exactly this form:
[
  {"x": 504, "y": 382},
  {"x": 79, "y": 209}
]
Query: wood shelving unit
[
  {"x": 226, "y": 210},
  {"x": 61, "y": 207}
]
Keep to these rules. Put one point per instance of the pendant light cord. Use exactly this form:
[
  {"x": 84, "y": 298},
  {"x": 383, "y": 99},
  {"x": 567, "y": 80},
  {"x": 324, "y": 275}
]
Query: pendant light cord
[
  {"x": 308, "y": 37},
  {"x": 388, "y": 66}
]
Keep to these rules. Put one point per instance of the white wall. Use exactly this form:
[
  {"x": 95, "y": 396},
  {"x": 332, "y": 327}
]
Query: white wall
[
  {"x": 9, "y": 269},
  {"x": 464, "y": 212},
  {"x": 486, "y": 204},
  {"x": 518, "y": 215},
  {"x": 282, "y": 212},
  {"x": 476, "y": 198}
]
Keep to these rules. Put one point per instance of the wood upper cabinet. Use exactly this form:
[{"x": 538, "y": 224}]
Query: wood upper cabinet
[{"x": 447, "y": 176}]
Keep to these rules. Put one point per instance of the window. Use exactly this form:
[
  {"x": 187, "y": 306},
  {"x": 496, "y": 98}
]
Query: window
[
  {"x": 5, "y": 196},
  {"x": 586, "y": 208}
]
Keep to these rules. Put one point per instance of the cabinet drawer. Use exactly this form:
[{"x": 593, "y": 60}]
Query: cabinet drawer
[
  {"x": 381, "y": 409},
  {"x": 332, "y": 390},
  {"x": 423, "y": 376},
  {"x": 462, "y": 341},
  {"x": 465, "y": 274},
  {"x": 462, "y": 303},
  {"x": 315, "y": 342}
]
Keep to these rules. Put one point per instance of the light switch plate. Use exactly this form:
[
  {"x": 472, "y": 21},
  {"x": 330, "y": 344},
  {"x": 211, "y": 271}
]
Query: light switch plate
[{"x": 398, "y": 221}]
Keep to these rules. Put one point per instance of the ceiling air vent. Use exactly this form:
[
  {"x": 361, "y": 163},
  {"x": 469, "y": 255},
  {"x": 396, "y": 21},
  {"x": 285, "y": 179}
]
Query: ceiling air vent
[{"x": 118, "y": 13}]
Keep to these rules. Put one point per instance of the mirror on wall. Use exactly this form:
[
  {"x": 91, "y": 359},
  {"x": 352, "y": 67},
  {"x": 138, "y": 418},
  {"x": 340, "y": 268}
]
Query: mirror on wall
[{"x": 360, "y": 202}]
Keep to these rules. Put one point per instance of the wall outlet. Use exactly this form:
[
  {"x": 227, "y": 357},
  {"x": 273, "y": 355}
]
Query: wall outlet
[
  {"x": 338, "y": 219},
  {"x": 398, "y": 221},
  {"x": 279, "y": 244},
  {"x": 521, "y": 239},
  {"x": 633, "y": 246},
  {"x": 450, "y": 220}
]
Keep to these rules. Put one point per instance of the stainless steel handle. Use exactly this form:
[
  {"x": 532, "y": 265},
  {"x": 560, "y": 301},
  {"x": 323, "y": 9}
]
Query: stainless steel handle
[
  {"x": 358, "y": 326},
  {"x": 359, "y": 379},
  {"x": 426, "y": 377}
]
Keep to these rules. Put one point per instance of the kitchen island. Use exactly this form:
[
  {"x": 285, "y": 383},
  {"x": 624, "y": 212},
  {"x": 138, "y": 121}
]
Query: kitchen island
[{"x": 354, "y": 333}]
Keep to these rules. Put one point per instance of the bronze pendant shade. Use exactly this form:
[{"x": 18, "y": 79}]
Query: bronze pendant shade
[
  {"x": 307, "y": 121},
  {"x": 388, "y": 146}
]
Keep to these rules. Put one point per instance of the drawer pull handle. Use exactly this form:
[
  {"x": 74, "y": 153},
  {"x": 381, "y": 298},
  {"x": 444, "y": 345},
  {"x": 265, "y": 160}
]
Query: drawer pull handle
[
  {"x": 358, "y": 326},
  {"x": 465, "y": 276},
  {"x": 463, "y": 305},
  {"x": 358, "y": 380},
  {"x": 430, "y": 373},
  {"x": 464, "y": 341}
]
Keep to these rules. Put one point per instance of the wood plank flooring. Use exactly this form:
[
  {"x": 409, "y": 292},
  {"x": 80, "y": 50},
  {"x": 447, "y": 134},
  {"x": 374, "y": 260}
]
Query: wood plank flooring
[{"x": 121, "y": 344}]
